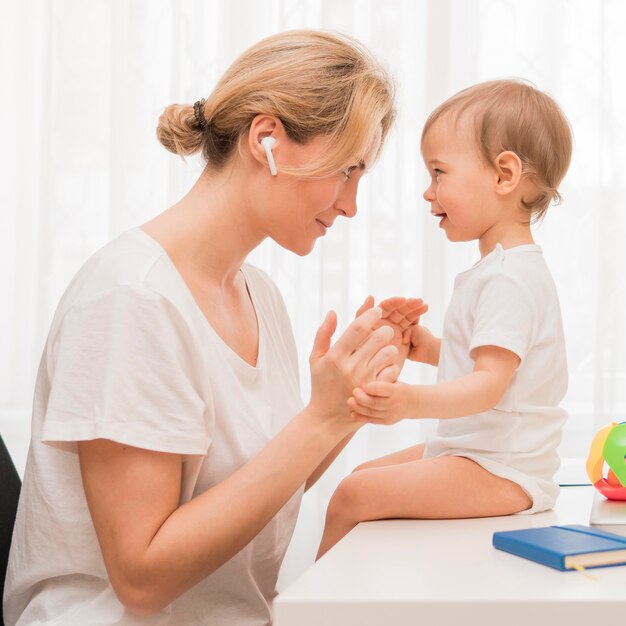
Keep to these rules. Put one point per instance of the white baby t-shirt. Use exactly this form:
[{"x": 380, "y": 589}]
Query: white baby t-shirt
[
  {"x": 130, "y": 357},
  {"x": 508, "y": 299}
]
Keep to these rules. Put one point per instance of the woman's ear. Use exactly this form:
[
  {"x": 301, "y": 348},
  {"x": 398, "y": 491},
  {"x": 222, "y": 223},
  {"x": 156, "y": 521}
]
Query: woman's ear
[
  {"x": 508, "y": 167},
  {"x": 263, "y": 126}
]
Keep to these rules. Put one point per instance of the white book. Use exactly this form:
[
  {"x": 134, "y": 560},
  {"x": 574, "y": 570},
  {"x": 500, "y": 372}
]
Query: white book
[{"x": 608, "y": 515}]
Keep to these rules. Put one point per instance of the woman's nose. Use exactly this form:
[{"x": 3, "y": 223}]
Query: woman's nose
[{"x": 346, "y": 202}]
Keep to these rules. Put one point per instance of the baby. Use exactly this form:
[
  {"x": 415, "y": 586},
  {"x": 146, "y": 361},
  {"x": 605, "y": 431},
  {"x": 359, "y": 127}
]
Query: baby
[{"x": 496, "y": 153}]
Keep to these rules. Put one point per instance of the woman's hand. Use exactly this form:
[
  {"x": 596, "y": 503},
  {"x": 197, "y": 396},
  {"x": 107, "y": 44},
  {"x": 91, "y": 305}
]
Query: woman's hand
[
  {"x": 402, "y": 315},
  {"x": 363, "y": 353}
]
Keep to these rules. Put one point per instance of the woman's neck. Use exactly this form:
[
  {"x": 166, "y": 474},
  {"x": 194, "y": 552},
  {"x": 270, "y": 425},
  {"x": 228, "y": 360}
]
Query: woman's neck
[{"x": 210, "y": 231}]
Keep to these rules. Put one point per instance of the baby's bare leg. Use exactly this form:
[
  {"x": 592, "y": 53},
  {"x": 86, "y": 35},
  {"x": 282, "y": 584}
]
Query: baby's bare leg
[
  {"x": 414, "y": 453},
  {"x": 434, "y": 488}
]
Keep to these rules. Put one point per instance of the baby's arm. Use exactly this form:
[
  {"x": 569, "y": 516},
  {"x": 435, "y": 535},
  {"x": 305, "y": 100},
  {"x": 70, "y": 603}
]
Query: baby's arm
[{"x": 386, "y": 403}]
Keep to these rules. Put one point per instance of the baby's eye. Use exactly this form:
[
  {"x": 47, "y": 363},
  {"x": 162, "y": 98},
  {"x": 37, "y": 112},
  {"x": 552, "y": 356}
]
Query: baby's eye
[{"x": 436, "y": 172}]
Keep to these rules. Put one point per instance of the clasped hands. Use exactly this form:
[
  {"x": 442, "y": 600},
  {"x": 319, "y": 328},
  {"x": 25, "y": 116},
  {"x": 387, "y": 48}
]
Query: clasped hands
[
  {"x": 356, "y": 377},
  {"x": 383, "y": 400}
]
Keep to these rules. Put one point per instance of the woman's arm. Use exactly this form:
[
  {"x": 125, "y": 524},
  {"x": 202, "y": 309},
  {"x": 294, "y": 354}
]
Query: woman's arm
[
  {"x": 154, "y": 549},
  {"x": 327, "y": 462},
  {"x": 385, "y": 403}
]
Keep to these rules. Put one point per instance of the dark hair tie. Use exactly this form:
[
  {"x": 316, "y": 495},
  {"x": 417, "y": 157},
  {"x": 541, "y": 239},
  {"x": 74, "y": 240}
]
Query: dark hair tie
[{"x": 198, "y": 110}]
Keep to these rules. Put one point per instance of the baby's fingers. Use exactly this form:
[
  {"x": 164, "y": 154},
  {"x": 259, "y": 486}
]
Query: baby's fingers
[
  {"x": 363, "y": 400},
  {"x": 403, "y": 312},
  {"x": 406, "y": 336},
  {"x": 378, "y": 388},
  {"x": 416, "y": 308},
  {"x": 359, "y": 417},
  {"x": 366, "y": 411}
]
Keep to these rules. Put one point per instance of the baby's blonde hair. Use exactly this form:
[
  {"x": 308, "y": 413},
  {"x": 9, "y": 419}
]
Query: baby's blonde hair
[
  {"x": 513, "y": 115},
  {"x": 314, "y": 82}
]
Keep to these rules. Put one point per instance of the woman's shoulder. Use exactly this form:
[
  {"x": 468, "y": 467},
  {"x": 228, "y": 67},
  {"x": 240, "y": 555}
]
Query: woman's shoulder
[
  {"x": 133, "y": 264},
  {"x": 129, "y": 258}
]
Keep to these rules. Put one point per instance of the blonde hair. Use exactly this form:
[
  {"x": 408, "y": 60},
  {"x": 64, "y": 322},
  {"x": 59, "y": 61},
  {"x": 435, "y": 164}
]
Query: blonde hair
[
  {"x": 314, "y": 82},
  {"x": 513, "y": 115}
]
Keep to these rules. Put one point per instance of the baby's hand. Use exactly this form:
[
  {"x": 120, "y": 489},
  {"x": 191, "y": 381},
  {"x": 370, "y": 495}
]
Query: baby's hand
[
  {"x": 382, "y": 402},
  {"x": 422, "y": 345},
  {"x": 401, "y": 314}
]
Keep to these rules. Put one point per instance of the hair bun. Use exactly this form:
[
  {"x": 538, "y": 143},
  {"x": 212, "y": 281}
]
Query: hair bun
[{"x": 179, "y": 130}]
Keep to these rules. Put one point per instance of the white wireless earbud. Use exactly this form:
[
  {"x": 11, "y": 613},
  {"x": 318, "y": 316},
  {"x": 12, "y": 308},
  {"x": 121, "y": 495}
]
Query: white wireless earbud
[{"x": 268, "y": 143}]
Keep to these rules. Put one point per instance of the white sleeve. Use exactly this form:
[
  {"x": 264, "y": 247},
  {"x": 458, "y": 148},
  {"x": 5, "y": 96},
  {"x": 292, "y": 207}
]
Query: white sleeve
[
  {"x": 124, "y": 367},
  {"x": 505, "y": 316}
]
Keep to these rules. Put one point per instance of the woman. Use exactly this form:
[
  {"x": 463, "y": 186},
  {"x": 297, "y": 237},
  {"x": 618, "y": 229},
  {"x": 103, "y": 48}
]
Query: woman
[{"x": 169, "y": 445}]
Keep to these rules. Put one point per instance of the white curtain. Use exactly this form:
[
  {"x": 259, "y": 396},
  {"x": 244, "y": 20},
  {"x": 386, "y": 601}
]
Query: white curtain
[{"x": 83, "y": 83}]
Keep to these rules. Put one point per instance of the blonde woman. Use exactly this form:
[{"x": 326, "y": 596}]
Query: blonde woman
[{"x": 170, "y": 447}]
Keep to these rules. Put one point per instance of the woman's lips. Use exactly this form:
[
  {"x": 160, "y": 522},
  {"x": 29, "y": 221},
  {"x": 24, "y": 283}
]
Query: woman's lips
[{"x": 323, "y": 227}]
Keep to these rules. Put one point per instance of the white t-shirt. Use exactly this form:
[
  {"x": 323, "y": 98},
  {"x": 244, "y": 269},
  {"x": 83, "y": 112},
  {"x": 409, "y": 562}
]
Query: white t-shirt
[
  {"x": 130, "y": 357},
  {"x": 508, "y": 299}
]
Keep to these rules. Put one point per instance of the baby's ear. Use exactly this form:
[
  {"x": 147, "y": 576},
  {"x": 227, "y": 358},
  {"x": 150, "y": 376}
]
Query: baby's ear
[{"x": 508, "y": 166}]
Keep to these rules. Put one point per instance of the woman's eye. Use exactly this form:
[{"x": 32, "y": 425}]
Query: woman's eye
[{"x": 348, "y": 170}]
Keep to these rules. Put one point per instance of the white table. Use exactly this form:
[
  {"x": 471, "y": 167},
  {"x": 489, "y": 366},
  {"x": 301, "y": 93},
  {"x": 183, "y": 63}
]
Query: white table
[{"x": 410, "y": 572}]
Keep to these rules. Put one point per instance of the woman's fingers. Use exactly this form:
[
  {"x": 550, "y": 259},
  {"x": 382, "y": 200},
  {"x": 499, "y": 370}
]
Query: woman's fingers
[
  {"x": 383, "y": 360},
  {"x": 368, "y": 304},
  {"x": 357, "y": 333},
  {"x": 374, "y": 354},
  {"x": 321, "y": 343},
  {"x": 362, "y": 352},
  {"x": 389, "y": 374}
]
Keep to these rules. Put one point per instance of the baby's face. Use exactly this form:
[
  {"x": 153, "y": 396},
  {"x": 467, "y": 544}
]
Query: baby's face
[{"x": 461, "y": 191}]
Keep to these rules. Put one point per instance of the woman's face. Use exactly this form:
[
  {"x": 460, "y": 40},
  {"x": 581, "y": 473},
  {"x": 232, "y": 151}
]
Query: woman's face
[{"x": 305, "y": 209}]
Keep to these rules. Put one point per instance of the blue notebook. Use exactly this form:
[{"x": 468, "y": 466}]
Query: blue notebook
[{"x": 564, "y": 547}]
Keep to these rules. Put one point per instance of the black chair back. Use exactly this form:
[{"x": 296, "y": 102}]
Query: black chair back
[{"x": 10, "y": 485}]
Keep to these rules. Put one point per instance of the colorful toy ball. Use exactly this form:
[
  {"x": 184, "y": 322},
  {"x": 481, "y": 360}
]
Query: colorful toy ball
[{"x": 609, "y": 446}]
